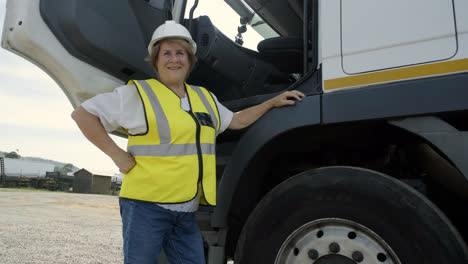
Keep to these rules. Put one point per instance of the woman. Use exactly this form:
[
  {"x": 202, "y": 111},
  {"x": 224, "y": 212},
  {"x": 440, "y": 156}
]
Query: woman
[{"x": 169, "y": 164}]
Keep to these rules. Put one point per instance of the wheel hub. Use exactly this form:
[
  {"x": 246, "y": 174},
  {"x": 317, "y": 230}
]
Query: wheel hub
[
  {"x": 334, "y": 259},
  {"x": 335, "y": 241}
]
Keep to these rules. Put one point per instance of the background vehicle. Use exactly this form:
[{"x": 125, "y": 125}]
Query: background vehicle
[{"x": 371, "y": 167}]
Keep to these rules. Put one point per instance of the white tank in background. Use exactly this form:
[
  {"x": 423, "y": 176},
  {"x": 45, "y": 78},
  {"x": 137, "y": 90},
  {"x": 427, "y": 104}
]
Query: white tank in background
[{"x": 27, "y": 168}]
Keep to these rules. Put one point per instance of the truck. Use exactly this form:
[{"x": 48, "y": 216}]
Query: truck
[{"x": 370, "y": 167}]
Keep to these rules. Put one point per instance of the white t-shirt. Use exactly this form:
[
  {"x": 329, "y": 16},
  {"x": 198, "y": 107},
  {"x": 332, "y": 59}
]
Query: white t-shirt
[{"x": 123, "y": 108}]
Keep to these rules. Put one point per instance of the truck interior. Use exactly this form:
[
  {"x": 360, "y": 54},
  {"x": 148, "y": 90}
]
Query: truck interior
[{"x": 95, "y": 33}]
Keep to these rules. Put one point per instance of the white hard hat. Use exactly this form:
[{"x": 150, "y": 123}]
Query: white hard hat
[{"x": 171, "y": 29}]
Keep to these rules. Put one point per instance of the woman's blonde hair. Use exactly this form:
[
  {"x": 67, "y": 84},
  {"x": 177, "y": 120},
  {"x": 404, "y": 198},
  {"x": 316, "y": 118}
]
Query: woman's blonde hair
[{"x": 153, "y": 57}]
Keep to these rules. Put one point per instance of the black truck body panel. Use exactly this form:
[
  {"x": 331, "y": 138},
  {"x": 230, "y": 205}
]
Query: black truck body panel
[{"x": 405, "y": 98}]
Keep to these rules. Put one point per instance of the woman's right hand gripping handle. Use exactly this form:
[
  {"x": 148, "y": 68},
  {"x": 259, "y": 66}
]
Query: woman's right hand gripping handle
[{"x": 93, "y": 130}]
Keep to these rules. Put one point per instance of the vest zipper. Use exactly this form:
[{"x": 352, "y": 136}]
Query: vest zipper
[{"x": 199, "y": 152}]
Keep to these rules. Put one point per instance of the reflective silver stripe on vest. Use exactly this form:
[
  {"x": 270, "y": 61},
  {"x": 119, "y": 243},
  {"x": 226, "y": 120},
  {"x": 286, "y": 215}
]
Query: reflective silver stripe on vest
[
  {"x": 207, "y": 105},
  {"x": 161, "y": 119},
  {"x": 169, "y": 150}
]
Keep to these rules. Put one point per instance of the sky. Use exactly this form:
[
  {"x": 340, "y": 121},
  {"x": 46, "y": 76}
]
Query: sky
[{"x": 35, "y": 113}]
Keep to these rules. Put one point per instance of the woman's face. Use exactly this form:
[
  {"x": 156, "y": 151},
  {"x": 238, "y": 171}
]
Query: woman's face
[{"x": 173, "y": 62}]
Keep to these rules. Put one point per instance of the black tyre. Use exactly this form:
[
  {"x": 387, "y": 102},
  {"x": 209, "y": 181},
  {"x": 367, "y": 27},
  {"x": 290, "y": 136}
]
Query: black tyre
[{"x": 347, "y": 215}]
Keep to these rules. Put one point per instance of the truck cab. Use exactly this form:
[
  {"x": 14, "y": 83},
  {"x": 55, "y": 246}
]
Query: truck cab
[{"x": 371, "y": 167}]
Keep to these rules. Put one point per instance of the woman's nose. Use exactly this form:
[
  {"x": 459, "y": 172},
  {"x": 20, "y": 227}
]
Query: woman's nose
[{"x": 173, "y": 58}]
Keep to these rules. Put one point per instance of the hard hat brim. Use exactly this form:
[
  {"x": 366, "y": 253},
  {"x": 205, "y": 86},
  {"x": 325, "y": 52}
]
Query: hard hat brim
[{"x": 153, "y": 42}]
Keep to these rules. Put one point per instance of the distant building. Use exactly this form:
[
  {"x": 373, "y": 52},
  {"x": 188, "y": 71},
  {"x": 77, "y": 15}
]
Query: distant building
[
  {"x": 118, "y": 177},
  {"x": 87, "y": 182},
  {"x": 26, "y": 168}
]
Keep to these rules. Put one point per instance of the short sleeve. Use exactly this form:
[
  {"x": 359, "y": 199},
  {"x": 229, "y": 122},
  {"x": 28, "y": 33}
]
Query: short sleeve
[
  {"x": 121, "y": 108},
  {"x": 225, "y": 115},
  {"x": 106, "y": 107}
]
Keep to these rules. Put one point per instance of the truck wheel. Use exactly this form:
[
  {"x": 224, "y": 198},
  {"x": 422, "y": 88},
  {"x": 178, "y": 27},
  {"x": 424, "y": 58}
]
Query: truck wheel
[{"x": 347, "y": 215}]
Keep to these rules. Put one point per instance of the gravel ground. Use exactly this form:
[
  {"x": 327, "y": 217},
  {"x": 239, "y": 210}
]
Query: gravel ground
[{"x": 50, "y": 227}]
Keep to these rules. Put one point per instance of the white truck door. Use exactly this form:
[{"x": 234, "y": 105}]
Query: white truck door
[{"x": 379, "y": 34}]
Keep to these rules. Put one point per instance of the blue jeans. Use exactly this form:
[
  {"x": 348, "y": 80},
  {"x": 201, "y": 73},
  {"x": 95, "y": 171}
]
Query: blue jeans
[{"x": 148, "y": 228}]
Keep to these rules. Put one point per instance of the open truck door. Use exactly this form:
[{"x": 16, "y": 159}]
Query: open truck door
[{"x": 86, "y": 47}]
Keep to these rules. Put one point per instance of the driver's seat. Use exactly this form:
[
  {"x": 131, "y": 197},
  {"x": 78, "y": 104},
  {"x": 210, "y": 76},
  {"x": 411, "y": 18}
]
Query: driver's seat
[{"x": 285, "y": 53}]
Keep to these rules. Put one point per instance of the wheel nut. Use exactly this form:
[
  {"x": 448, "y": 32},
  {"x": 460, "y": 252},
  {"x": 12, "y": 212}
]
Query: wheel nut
[
  {"x": 313, "y": 254},
  {"x": 357, "y": 256},
  {"x": 334, "y": 247}
]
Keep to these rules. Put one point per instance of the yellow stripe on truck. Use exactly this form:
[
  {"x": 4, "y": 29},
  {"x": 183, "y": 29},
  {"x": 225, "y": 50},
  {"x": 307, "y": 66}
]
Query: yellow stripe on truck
[{"x": 398, "y": 74}]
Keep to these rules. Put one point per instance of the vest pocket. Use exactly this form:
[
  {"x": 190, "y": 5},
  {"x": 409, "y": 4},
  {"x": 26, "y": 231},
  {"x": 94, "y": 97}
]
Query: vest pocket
[{"x": 205, "y": 119}]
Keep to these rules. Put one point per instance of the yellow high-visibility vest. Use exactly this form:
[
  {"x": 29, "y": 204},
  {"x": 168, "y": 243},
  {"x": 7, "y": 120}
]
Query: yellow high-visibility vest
[{"x": 177, "y": 153}]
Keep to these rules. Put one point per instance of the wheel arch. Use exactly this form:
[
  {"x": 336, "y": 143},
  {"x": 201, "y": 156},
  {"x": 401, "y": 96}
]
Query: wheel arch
[
  {"x": 452, "y": 143},
  {"x": 276, "y": 122},
  {"x": 247, "y": 182}
]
